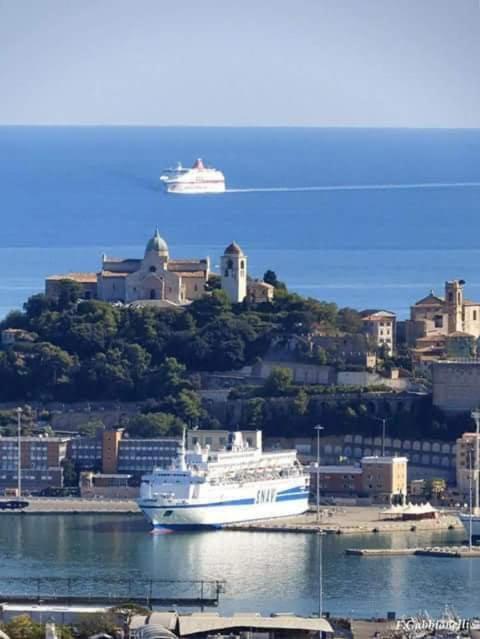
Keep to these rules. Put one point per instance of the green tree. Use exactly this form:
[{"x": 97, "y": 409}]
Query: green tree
[
  {"x": 69, "y": 292},
  {"x": 270, "y": 277},
  {"x": 50, "y": 365},
  {"x": 254, "y": 409},
  {"x": 70, "y": 473},
  {"x": 210, "y": 307},
  {"x": 154, "y": 425},
  {"x": 90, "y": 428},
  {"x": 189, "y": 406},
  {"x": 301, "y": 403},
  {"x": 38, "y": 304},
  {"x": 278, "y": 383},
  {"x": 22, "y": 627},
  {"x": 349, "y": 320}
]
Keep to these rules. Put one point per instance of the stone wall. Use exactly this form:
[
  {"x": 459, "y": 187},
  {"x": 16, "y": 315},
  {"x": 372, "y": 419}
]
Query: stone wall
[{"x": 456, "y": 385}]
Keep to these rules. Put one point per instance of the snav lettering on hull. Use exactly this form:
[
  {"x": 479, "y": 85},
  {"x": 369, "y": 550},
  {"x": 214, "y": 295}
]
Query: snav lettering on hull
[{"x": 266, "y": 496}]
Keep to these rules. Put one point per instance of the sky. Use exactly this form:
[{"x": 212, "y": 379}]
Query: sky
[{"x": 365, "y": 63}]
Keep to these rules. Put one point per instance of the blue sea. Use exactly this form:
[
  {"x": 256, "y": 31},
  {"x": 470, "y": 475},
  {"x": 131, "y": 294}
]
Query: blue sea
[{"x": 360, "y": 217}]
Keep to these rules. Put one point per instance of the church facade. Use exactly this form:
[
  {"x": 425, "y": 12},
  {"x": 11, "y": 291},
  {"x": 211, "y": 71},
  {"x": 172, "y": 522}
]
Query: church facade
[
  {"x": 158, "y": 280},
  {"x": 437, "y": 316}
]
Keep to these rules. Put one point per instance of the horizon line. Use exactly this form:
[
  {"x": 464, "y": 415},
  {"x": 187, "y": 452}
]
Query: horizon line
[{"x": 239, "y": 126}]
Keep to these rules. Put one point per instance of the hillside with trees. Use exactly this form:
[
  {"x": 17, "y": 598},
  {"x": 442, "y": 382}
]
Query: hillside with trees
[{"x": 87, "y": 349}]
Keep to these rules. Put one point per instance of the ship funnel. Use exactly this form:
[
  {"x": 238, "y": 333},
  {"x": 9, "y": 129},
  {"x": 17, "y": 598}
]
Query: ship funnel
[{"x": 199, "y": 164}]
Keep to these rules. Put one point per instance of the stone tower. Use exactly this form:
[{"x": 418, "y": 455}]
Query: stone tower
[
  {"x": 454, "y": 301},
  {"x": 234, "y": 273}
]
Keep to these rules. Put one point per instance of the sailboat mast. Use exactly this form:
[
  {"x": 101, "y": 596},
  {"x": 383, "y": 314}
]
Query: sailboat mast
[{"x": 476, "y": 417}]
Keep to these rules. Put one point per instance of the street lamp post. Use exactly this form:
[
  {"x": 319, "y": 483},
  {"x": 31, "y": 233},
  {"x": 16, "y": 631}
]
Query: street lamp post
[
  {"x": 318, "y": 428},
  {"x": 470, "y": 475},
  {"x": 476, "y": 417},
  {"x": 19, "y": 449}
]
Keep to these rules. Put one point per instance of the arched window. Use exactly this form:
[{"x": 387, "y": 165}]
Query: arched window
[
  {"x": 242, "y": 264},
  {"x": 152, "y": 294},
  {"x": 153, "y": 269},
  {"x": 230, "y": 264}
]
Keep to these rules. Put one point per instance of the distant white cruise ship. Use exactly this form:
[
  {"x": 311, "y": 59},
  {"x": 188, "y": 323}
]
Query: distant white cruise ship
[
  {"x": 198, "y": 179},
  {"x": 210, "y": 489}
]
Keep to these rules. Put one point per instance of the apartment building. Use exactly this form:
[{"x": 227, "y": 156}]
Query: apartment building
[
  {"x": 41, "y": 462},
  {"x": 465, "y": 462}
]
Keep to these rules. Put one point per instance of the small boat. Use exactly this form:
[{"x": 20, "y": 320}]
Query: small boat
[{"x": 199, "y": 179}]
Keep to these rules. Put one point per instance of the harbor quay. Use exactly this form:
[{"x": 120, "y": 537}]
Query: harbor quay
[
  {"x": 350, "y": 520},
  {"x": 75, "y": 505},
  {"x": 332, "y": 520}
]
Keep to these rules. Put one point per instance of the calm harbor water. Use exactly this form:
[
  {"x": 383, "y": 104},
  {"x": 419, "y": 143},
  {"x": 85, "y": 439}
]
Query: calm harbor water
[
  {"x": 264, "y": 572},
  {"x": 68, "y": 194}
]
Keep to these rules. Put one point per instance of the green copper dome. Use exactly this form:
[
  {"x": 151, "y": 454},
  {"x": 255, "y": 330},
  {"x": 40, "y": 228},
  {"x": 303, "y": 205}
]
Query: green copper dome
[{"x": 157, "y": 244}]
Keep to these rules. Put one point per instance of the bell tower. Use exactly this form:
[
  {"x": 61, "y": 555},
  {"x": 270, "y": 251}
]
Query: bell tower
[
  {"x": 234, "y": 273},
  {"x": 454, "y": 301}
]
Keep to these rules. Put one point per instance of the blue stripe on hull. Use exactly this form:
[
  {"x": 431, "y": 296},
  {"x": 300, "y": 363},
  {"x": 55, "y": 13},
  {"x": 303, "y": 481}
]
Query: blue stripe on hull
[
  {"x": 285, "y": 496},
  {"x": 233, "y": 502},
  {"x": 295, "y": 489},
  {"x": 289, "y": 497}
]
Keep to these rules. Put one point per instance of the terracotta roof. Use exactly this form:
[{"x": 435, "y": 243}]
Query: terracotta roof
[
  {"x": 470, "y": 303},
  {"x": 186, "y": 265},
  {"x": 430, "y": 300},
  {"x": 76, "y": 277},
  {"x": 190, "y": 273},
  {"x": 376, "y": 314},
  {"x": 113, "y": 274},
  {"x": 202, "y": 260}
]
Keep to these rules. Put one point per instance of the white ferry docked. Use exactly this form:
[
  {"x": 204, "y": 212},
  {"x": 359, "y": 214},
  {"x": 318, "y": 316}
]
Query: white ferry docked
[
  {"x": 198, "y": 179},
  {"x": 212, "y": 488}
]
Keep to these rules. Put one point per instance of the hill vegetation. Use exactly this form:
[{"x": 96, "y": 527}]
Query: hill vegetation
[{"x": 87, "y": 349}]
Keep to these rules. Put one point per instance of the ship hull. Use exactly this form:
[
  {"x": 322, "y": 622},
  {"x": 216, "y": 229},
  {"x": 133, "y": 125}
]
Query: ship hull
[
  {"x": 246, "y": 503},
  {"x": 465, "y": 519},
  {"x": 194, "y": 188}
]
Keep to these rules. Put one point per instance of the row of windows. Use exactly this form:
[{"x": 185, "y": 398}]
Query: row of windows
[
  {"x": 31, "y": 477},
  {"x": 87, "y": 456},
  {"x": 135, "y": 448},
  {"x": 86, "y": 446},
  {"x": 13, "y": 466},
  {"x": 141, "y": 458}
]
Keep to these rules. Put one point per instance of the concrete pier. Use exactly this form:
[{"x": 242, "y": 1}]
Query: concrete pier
[
  {"x": 74, "y": 505},
  {"x": 451, "y": 552},
  {"x": 349, "y": 520}
]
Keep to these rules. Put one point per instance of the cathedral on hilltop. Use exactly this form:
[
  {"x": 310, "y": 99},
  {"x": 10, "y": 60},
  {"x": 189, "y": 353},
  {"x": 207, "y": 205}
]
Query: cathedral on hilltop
[{"x": 158, "y": 280}]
